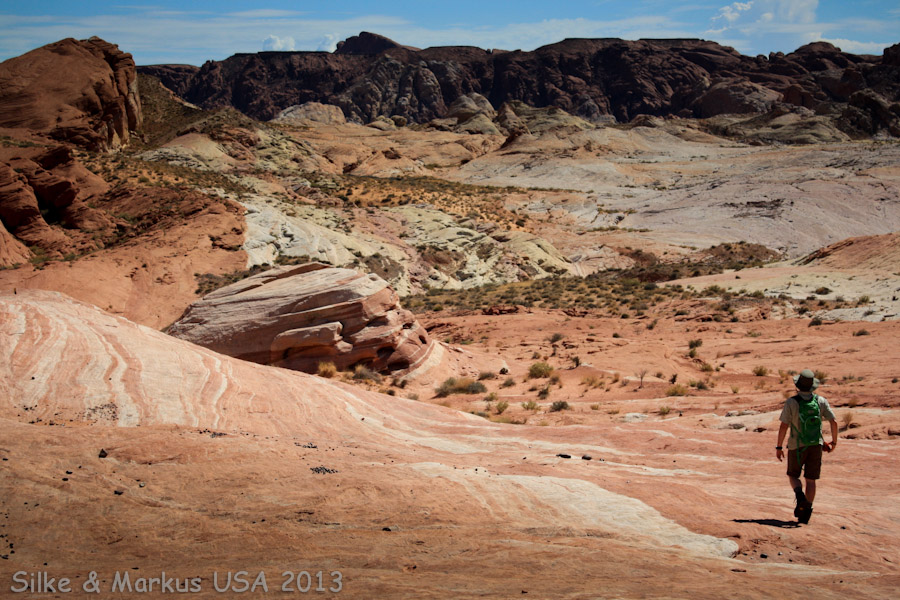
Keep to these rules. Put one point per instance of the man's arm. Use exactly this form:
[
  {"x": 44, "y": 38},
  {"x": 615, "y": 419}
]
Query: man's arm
[
  {"x": 782, "y": 431},
  {"x": 834, "y": 435}
]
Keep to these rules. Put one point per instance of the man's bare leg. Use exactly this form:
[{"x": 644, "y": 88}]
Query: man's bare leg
[{"x": 810, "y": 489}]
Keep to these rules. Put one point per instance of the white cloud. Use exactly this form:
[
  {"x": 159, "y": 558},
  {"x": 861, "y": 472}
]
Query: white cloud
[
  {"x": 732, "y": 12},
  {"x": 273, "y": 42},
  {"x": 855, "y": 47},
  {"x": 328, "y": 43}
]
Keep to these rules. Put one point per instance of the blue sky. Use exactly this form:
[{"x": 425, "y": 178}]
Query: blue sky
[{"x": 165, "y": 31}]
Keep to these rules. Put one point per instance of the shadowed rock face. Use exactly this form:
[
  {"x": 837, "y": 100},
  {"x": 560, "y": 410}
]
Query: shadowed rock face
[
  {"x": 43, "y": 201},
  {"x": 370, "y": 76},
  {"x": 297, "y": 317},
  {"x": 83, "y": 92}
]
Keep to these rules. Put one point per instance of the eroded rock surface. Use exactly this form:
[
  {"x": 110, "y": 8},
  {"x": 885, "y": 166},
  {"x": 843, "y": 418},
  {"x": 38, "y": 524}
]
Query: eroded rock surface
[
  {"x": 298, "y": 316},
  {"x": 83, "y": 92}
]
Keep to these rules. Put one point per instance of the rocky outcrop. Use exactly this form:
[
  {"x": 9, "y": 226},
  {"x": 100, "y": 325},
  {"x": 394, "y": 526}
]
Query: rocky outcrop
[
  {"x": 296, "y": 317},
  {"x": 84, "y": 92},
  {"x": 596, "y": 79},
  {"x": 12, "y": 251},
  {"x": 43, "y": 201},
  {"x": 311, "y": 113}
]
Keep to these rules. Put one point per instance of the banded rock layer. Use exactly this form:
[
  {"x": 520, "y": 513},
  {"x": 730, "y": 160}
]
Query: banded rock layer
[{"x": 298, "y": 316}]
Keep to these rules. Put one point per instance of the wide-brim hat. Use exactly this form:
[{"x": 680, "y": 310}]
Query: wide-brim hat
[{"x": 806, "y": 381}]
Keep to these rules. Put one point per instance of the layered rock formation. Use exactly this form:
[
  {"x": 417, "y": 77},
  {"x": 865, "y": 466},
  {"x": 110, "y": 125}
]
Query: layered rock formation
[
  {"x": 43, "y": 202},
  {"x": 371, "y": 76},
  {"x": 311, "y": 113},
  {"x": 83, "y": 92},
  {"x": 296, "y": 317}
]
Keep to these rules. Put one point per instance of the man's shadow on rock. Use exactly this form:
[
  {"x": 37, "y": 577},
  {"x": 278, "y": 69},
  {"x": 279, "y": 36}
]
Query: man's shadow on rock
[{"x": 770, "y": 523}]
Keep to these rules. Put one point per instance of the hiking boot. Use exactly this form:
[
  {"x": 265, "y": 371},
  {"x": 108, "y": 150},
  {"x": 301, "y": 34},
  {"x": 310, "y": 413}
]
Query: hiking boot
[
  {"x": 805, "y": 514},
  {"x": 802, "y": 502}
]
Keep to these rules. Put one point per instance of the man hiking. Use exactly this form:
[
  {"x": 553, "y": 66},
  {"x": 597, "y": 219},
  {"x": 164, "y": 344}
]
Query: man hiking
[{"x": 803, "y": 414}]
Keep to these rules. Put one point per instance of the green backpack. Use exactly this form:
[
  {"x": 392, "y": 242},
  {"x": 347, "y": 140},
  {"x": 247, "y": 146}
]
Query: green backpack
[{"x": 809, "y": 432}]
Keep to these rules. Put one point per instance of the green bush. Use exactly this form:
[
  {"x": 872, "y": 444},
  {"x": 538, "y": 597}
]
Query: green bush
[
  {"x": 559, "y": 405},
  {"x": 539, "y": 370},
  {"x": 459, "y": 386},
  {"x": 676, "y": 390},
  {"x": 531, "y": 405}
]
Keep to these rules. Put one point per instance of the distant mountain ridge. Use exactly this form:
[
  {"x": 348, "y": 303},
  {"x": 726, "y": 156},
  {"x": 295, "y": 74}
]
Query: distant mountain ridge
[{"x": 371, "y": 76}]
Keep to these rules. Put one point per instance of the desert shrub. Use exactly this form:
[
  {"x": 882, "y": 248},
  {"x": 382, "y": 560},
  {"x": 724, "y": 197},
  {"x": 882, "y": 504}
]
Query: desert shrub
[
  {"x": 544, "y": 392},
  {"x": 860, "y": 332},
  {"x": 559, "y": 405},
  {"x": 326, "y": 369},
  {"x": 492, "y": 397},
  {"x": 531, "y": 405},
  {"x": 676, "y": 390},
  {"x": 695, "y": 343},
  {"x": 591, "y": 381},
  {"x": 702, "y": 385},
  {"x": 595, "y": 407},
  {"x": 509, "y": 382},
  {"x": 816, "y": 321},
  {"x": 555, "y": 338},
  {"x": 847, "y": 420},
  {"x": 539, "y": 370},
  {"x": 692, "y": 353},
  {"x": 486, "y": 375},
  {"x": 706, "y": 367},
  {"x": 554, "y": 379},
  {"x": 735, "y": 389},
  {"x": 760, "y": 371},
  {"x": 822, "y": 291},
  {"x": 501, "y": 406},
  {"x": 664, "y": 410},
  {"x": 364, "y": 373},
  {"x": 463, "y": 385},
  {"x": 822, "y": 376}
]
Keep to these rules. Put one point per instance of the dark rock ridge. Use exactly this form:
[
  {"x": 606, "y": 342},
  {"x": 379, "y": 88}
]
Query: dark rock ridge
[
  {"x": 371, "y": 76},
  {"x": 79, "y": 91}
]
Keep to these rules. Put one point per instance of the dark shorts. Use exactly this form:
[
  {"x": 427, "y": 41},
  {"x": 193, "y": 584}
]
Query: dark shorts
[{"x": 808, "y": 459}]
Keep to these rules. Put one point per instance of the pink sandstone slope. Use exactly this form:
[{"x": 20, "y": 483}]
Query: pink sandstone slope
[{"x": 214, "y": 464}]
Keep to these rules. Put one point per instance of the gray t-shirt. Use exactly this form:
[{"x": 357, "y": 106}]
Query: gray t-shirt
[{"x": 790, "y": 414}]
